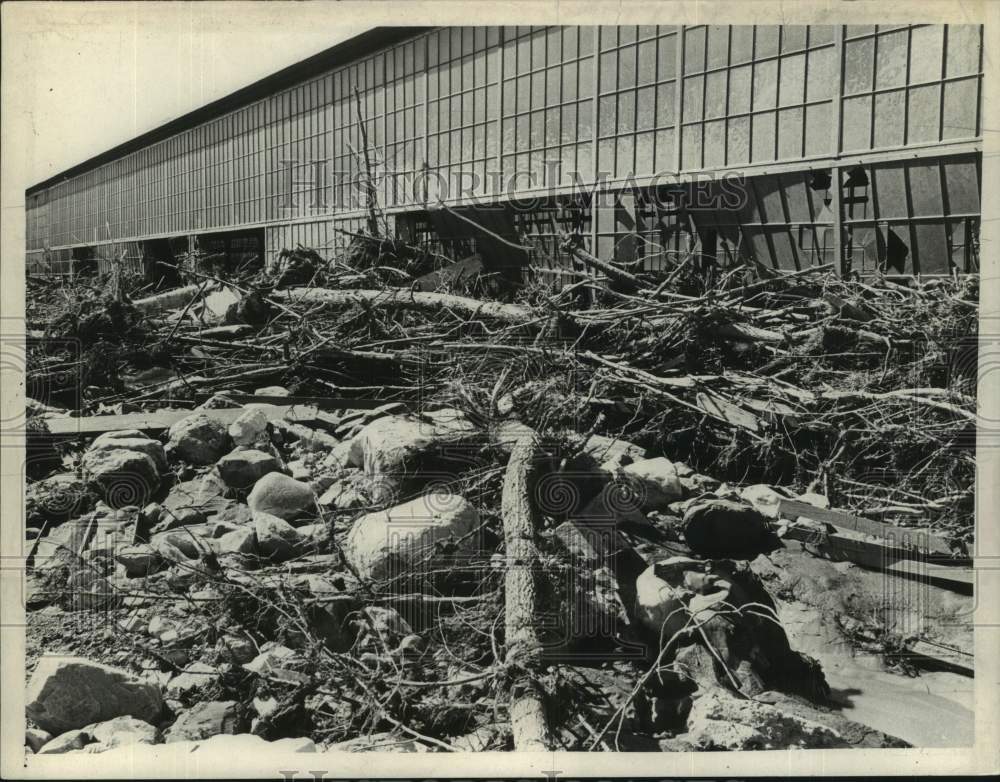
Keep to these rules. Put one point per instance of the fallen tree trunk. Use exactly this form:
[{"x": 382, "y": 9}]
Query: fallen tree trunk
[
  {"x": 527, "y": 711},
  {"x": 161, "y": 302},
  {"x": 622, "y": 277},
  {"x": 405, "y": 299}
]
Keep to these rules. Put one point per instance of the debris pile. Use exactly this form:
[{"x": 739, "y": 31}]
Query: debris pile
[{"x": 339, "y": 509}]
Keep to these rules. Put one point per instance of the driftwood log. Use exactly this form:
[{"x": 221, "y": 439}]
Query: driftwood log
[
  {"x": 523, "y": 654},
  {"x": 405, "y": 299}
]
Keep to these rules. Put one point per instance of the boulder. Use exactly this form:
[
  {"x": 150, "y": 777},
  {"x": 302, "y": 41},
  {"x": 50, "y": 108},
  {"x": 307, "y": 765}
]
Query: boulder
[
  {"x": 276, "y": 538},
  {"x": 250, "y": 427},
  {"x": 723, "y": 528},
  {"x": 205, "y": 719},
  {"x": 198, "y": 439},
  {"x": 189, "y": 544},
  {"x": 122, "y": 476},
  {"x": 242, "y": 469},
  {"x": 191, "y": 502},
  {"x": 381, "y": 544},
  {"x": 657, "y": 483},
  {"x": 132, "y": 440},
  {"x": 279, "y": 495},
  {"x": 395, "y": 445},
  {"x": 66, "y": 693}
]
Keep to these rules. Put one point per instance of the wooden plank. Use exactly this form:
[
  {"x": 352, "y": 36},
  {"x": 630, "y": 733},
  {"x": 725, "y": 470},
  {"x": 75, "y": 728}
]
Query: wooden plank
[
  {"x": 717, "y": 407},
  {"x": 957, "y": 579},
  {"x": 320, "y": 402},
  {"x": 159, "y": 420},
  {"x": 939, "y": 657},
  {"x": 916, "y": 537}
]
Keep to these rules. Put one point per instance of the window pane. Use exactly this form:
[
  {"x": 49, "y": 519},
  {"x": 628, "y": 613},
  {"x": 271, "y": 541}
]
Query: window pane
[
  {"x": 926, "y": 50},
  {"x": 818, "y": 138},
  {"x": 606, "y": 112},
  {"x": 693, "y": 98},
  {"x": 694, "y": 50},
  {"x": 765, "y": 84},
  {"x": 644, "y": 154},
  {"x": 667, "y": 60},
  {"x": 858, "y": 65},
  {"x": 767, "y": 40},
  {"x": 691, "y": 147},
  {"x": 647, "y": 62},
  {"x": 889, "y": 119},
  {"x": 739, "y": 141},
  {"x": 792, "y": 79},
  {"x": 890, "y": 68},
  {"x": 856, "y": 133},
  {"x": 789, "y": 133},
  {"x": 963, "y": 50},
  {"x": 742, "y": 43},
  {"x": 626, "y": 112},
  {"x": 739, "y": 90},
  {"x": 923, "y": 113},
  {"x": 820, "y": 34},
  {"x": 665, "y": 104},
  {"x": 925, "y": 189},
  {"x": 665, "y": 150},
  {"x": 715, "y": 95},
  {"x": 960, "y": 104},
  {"x": 821, "y": 74},
  {"x": 718, "y": 45},
  {"x": 646, "y": 109},
  {"x": 626, "y": 67},
  {"x": 763, "y": 137},
  {"x": 715, "y": 143},
  {"x": 793, "y": 37}
]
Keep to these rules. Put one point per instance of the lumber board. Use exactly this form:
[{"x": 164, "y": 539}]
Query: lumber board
[
  {"x": 900, "y": 536},
  {"x": 159, "y": 420}
]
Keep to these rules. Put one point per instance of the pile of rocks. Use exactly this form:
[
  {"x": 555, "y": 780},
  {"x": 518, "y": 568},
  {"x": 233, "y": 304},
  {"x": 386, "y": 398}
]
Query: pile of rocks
[{"x": 656, "y": 555}]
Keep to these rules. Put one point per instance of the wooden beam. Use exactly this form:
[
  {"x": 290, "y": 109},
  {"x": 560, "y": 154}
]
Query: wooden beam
[
  {"x": 921, "y": 538},
  {"x": 160, "y": 420}
]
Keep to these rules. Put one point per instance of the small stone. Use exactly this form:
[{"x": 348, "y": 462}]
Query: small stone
[
  {"x": 276, "y": 538},
  {"x": 195, "y": 677},
  {"x": 235, "y": 648},
  {"x": 612, "y": 454},
  {"x": 764, "y": 498},
  {"x": 120, "y": 732},
  {"x": 139, "y": 560},
  {"x": 272, "y": 391},
  {"x": 203, "y": 720},
  {"x": 265, "y": 707},
  {"x": 239, "y": 541},
  {"x": 250, "y": 427},
  {"x": 300, "y": 471},
  {"x": 282, "y": 496},
  {"x": 658, "y": 482},
  {"x": 66, "y": 742},
  {"x": 272, "y": 656},
  {"x": 36, "y": 738}
]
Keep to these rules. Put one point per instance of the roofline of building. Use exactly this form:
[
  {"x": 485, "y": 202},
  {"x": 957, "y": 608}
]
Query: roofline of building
[{"x": 340, "y": 54}]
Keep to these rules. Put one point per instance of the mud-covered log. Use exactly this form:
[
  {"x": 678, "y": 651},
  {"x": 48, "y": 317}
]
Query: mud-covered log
[{"x": 527, "y": 710}]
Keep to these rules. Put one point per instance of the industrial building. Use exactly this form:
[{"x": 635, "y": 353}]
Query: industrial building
[{"x": 786, "y": 145}]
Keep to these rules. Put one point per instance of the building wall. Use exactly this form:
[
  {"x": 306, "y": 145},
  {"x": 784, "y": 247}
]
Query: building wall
[{"x": 772, "y": 102}]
